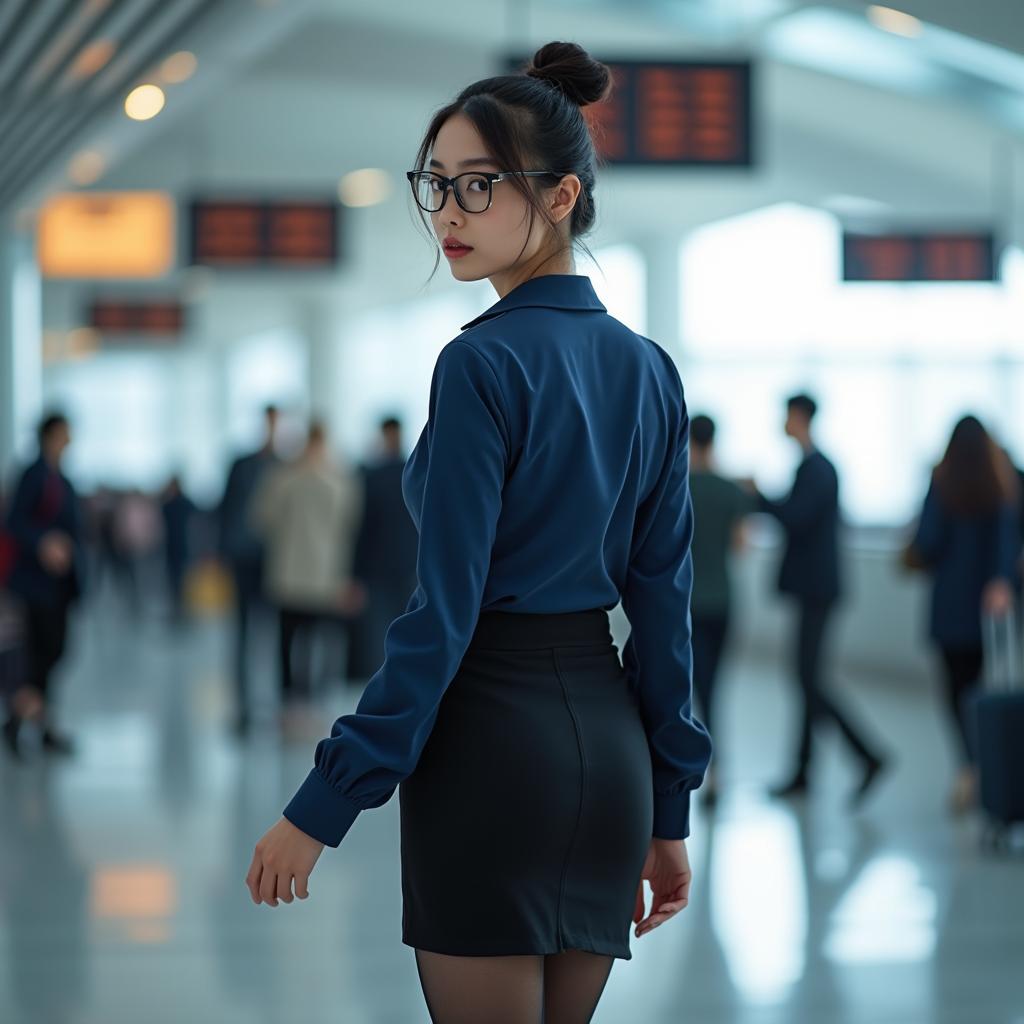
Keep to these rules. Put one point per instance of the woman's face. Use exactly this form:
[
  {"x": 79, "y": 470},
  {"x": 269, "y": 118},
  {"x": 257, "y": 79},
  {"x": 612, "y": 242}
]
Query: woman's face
[{"x": 497, "y": 236}]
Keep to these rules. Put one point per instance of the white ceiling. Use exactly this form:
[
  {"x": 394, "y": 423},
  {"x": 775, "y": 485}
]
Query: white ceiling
[{"x": 292, "y": 95}]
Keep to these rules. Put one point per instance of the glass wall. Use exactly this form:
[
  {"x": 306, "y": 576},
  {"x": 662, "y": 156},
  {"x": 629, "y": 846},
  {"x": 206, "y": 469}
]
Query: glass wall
[{"x": 893, "y": 366}]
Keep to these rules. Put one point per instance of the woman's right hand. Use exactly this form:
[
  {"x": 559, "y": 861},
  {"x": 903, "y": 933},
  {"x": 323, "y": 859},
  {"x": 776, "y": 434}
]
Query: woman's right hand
[
  {"x": 667, "y": 869},
  {"x": 997, "y": 599}
]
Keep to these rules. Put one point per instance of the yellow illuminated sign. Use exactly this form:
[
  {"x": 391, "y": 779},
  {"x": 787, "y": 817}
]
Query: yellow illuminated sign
[{"x": 107, "y": 234}]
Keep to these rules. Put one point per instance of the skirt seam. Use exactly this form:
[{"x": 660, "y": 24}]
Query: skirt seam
[{"x": 579, "y": 810}]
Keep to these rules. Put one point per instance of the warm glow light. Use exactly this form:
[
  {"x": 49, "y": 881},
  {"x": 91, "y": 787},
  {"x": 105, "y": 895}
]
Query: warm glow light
[
  {"x": 93, "y": 58},
  {"x": 367, "y": 187},
  {"x": 86, "y": 167},
  {"x": 82, "y": 341},
  {"x": 134, "y": 892},
  {"x": 897, "y": 22},
  {"x": 106, "y": 234},
  {"x": 178, "y": 67},
  {"x": 144, "y": 102}
]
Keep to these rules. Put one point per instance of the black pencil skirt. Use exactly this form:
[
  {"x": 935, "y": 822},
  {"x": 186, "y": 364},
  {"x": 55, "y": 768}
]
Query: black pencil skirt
[{"x": 527, "y": 820}]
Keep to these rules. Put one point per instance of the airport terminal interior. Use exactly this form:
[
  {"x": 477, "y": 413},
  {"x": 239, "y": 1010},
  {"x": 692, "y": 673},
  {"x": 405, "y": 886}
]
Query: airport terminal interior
[{"x": 218, "y": 309}]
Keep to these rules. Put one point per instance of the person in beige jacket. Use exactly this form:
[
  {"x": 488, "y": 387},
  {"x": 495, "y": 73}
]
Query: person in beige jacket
[{"x": 308, "y": 512}]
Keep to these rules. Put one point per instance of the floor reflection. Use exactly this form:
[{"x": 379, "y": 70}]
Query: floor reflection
[{"x": 122, "y": 895}]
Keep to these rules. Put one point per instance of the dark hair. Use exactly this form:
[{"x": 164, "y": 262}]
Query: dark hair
[
  {"x": 702, "y": 431},
  {"x": 803, "y": 404},
  {"x": 391, "y": 423},
  {"x": 534, "y": 121},
  {"x": 49, "y": 423},
  {"x": 975, "y": 476}
]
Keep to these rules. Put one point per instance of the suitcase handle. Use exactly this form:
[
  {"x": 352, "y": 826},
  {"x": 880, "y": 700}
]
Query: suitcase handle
[{"x": 1002, "y": 652}]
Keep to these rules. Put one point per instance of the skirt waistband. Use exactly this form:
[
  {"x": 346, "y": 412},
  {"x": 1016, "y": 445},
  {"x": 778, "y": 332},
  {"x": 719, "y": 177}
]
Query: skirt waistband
[{"x": 497, "y": 630}]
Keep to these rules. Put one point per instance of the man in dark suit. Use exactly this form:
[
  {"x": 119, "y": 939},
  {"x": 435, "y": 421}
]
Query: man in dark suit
[
  {"x": 810, "y": 574},
  {"x": 45, "y": 523},
  {"x": 242, "y": 549},
  {"x": 385, "y": 554}
]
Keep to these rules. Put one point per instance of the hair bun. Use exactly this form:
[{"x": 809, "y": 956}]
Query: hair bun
[{"x": 570, "y": 68}]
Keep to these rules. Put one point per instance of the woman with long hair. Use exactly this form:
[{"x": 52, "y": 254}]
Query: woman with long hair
[
  {"x": 542, "y": 779},
  {"x": 968, "y": 539}
]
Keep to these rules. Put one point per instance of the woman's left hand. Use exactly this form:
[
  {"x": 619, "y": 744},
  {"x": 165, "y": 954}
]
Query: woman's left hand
[{"x": 283, "y": 854}]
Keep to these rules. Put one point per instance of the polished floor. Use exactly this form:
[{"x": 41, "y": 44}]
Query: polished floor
[{"x": 121, "y": 871}]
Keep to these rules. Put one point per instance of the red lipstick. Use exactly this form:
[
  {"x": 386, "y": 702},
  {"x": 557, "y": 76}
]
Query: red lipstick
[{"x": 454, "y": 249}]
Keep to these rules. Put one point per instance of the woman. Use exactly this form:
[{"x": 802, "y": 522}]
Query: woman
[
  {"x": 967, "y": 537},
  {"x": 541, "y": 778}
]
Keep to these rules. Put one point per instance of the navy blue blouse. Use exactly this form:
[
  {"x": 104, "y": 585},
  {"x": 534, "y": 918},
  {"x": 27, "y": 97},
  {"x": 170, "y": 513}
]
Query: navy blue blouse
[{"x": 552, "y": 476}]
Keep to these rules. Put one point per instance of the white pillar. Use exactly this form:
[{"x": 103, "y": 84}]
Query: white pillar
[
  {"x": 21, "y": 354},
  {"x": 661, "y": 257},
  {"x": 320, "y": 327}
]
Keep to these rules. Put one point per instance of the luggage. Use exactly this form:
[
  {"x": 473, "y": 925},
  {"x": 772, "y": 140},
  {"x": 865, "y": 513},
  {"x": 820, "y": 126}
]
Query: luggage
[{"x": 998, "y": 726}]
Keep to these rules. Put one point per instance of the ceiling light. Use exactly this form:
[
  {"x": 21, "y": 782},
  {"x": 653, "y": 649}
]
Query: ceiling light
[
  {"x": 92, "y": 59},
  {"x": 86, "y": 167},
  {"x": 366, "y": 187},
  {"x": 897, "y": 22},
  {"x": 178, "y": 67},
  {"x": 144, "y": 102},
  {"x": 854, "y": 206}
]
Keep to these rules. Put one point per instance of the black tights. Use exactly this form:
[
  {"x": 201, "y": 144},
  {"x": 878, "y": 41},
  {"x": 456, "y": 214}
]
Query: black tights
[{"x": 561, "y": 988}]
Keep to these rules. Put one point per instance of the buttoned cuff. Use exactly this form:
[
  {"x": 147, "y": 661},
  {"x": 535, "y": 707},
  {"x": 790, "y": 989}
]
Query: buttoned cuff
[
  {"x": 671, "y": 816},
  {"x": 321, "y": 811}
]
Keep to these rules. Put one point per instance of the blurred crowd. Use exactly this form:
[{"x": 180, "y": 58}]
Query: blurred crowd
[
  {"x": 315, "y": 551},
  {"x": 305, "y": 547}
]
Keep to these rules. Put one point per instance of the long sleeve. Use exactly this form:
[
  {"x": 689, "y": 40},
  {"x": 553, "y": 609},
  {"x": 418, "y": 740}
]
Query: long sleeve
[
  {"x": 460, "y": 470},
  {"x": 803, "y": 507},
  {"x": 350, "y": 518},
  {"x": 931, "y": 534},
  {"x": 25, "y": 531},
  {"x": 658, "y": 656},
  {"x": 1006, "y": 550},
  {"x": 226, "y": 512}
]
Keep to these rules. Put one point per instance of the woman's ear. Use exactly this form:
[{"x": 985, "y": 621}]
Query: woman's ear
[{"x": 563, "y": 198}]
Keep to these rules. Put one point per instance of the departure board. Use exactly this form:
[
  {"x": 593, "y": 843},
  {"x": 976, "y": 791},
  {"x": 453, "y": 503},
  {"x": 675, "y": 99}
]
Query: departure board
[
  {"x": 113, "y": 317},
  {"x": 674, "y": 113},
  {"x": 264, "y": 234},
  {"x": 919, "y": 257}
]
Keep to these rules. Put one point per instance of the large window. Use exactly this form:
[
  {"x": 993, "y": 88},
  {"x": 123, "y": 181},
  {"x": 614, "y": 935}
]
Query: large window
[
  {"x": 765, "y": 313},
  {"x": 620, "y": 281},
  {"x": 138, "y": 416}
]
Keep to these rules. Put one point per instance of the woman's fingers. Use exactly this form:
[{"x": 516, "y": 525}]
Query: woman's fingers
[
  {"x": 664, "y": 906},
  {"x": 268, "y": 887},
  {"x": 284, "y": 887},
  {"x": 302, "y": 886},
  {"x": 252, "y": 879},
  {"x": 684, "y": 889}
]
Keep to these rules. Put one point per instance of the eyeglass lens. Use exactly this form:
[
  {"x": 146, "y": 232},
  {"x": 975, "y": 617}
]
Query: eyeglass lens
[{"x": 473, "y": 192}]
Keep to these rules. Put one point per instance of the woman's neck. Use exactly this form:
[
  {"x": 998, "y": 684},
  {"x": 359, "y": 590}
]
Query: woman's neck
[{"x": 560, "y": 262}]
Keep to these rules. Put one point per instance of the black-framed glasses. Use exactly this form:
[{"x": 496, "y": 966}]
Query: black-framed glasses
[{"x": 472, "y": 190}]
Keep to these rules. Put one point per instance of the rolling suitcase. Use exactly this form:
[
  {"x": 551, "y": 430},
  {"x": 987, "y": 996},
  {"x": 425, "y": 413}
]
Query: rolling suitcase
[{"x": 998, "y": 725}]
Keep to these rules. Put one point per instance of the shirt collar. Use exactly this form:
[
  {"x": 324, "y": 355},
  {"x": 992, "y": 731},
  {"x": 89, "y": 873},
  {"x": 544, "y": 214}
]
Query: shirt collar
[{"x": 551, "y": 291}]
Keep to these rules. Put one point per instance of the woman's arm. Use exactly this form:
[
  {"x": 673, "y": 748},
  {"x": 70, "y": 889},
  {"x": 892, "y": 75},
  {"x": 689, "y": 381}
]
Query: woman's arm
[
  {"x": 930, "y": 536},
  {"x": 462, "y": 470},
  {"x": 657, "y": 656}
]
